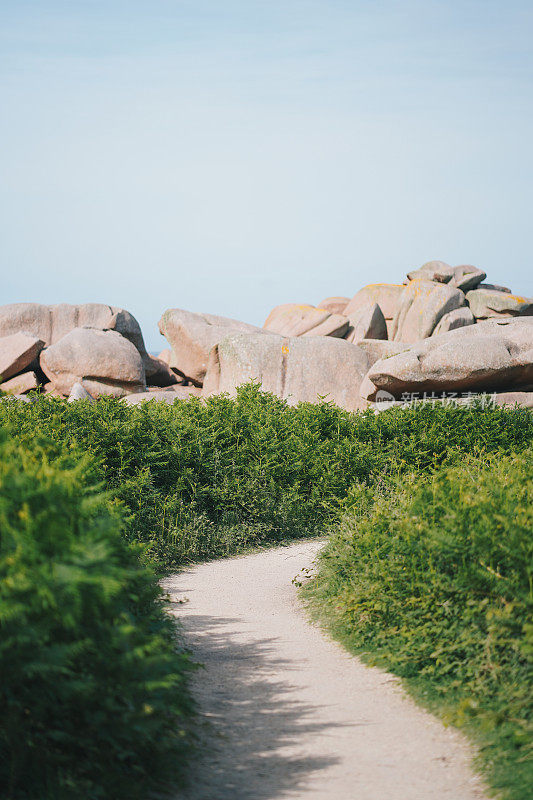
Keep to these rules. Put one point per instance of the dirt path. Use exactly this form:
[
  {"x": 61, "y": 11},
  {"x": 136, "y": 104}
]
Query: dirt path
[{"x": 289, "y": 714}]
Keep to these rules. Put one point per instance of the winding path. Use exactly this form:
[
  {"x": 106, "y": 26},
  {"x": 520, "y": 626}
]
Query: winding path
[{"x": 287, "y": 712}]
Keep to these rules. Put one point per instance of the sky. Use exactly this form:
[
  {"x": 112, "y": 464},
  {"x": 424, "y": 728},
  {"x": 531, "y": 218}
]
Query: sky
[{"x": 227, "y": 156}]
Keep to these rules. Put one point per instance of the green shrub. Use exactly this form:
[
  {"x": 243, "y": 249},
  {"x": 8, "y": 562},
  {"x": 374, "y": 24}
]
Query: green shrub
[
  {"x": 433, "y": 579},
  {"x": 204, "y": 479},
  {"x": 93, "y": 695}
]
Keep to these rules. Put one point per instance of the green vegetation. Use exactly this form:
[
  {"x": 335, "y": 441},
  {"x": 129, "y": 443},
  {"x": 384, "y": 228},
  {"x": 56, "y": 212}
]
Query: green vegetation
[
  {"x": 433, "y": 579},
  {"x": 428, "y": 574},
  {"x": 201, "y": 480},
  {"x": 93, "y": 698}
]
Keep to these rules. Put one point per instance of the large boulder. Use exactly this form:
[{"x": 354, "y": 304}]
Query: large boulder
[
  {"x": 33, "y": 318},
  {"x": 335, "y": 305},
  {"x": 17, "y": 351},
  {"x": 51, "y": 323},
  {"x": 191, "y": 337},
  {"x": 486, "y": 303},
  {"x": 466, "y": 277},
  {"x": 459, "y": 318},
  {"x": 483, "y": 357},
  {"x": 295, "y": 319},
  {"x": 422, "y": 306},
  {"x": 367, "y": 322},
  {"x": 103, "y": 362},
  {"x": 386, "y": 295},
  {"x": 20, "y": 384},
  {"x": 298, "y": 369},
  {"x": 438, "y": 271}
]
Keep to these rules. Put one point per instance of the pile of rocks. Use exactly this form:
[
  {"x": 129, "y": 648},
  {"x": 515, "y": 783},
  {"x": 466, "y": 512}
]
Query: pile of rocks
[
  {"x": 442, "y": 333},
  {"x": 79, "y": 351}
]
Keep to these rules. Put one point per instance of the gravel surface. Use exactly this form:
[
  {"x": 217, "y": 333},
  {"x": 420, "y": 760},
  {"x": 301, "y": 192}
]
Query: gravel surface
[{"x": 286, "y": 712}]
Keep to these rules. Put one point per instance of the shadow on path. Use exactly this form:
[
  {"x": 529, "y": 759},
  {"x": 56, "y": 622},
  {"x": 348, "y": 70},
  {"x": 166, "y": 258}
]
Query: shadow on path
[{"x": 249, "y": 744}]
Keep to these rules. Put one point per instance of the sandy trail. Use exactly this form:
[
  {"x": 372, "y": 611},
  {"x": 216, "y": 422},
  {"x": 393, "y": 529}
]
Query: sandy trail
[{"x": 290, "y": 714}]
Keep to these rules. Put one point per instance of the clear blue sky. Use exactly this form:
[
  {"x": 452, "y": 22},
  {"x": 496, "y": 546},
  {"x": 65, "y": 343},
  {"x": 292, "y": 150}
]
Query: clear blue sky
[{"x": 229, "y": 155}]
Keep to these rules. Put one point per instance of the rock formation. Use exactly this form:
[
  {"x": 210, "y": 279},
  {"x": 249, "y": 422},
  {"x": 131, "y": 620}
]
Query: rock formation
[
  {"x": 17, "y": 352},
  {"x": 459, "y": 318},
  {"x": 486, "y": 303},
  {"x": 366, "y": 322},
  {"x": 103, "y": 362},
  {"x": 51, "y": 323},
  {"x": 444, "y": 331},
  {"x": 293, "y": 319},
  {"x": 386, "y": 295},
  {"x": 484, "y": 358},
  {"x": 191, "y": 337},
  {"x": 422, "y": 306},
  {"x": 297, "y": 369}
]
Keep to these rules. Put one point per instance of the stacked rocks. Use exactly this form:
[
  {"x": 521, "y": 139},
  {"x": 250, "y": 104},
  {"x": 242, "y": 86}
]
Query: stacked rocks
[
  {"x": 80, "y": 351},
  {"x": 443, "y": 332}
]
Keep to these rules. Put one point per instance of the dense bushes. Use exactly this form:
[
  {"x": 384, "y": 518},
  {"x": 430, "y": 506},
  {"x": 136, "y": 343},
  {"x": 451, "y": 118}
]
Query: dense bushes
[
  {"x": 202, "y": 480},
  {"x": 433, "y": 580},
  {"x": 93, "y": 699}
]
